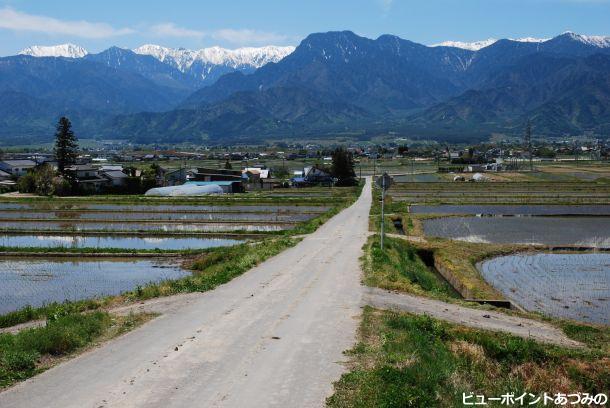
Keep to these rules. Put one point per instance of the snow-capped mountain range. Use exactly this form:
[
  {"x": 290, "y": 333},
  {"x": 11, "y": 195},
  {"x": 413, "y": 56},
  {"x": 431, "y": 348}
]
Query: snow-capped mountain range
[
  {"x": 183, "y": 59},
  {"x": 180, "y": 58},
  {"x": 594, "y": 40},
  {"x": 255, "y": 57},
  {"x": 62, "y": 50}
]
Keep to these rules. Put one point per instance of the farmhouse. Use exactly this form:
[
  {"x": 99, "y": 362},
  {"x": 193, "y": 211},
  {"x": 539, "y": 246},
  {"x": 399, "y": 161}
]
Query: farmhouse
[
  {"x": 313, "y": 175},
  {"x": 116, "y": 178},
  {"x": 87, "y": 177},
  {"x": 205, "y": 174},
  {"x": 17, "y": 168}
]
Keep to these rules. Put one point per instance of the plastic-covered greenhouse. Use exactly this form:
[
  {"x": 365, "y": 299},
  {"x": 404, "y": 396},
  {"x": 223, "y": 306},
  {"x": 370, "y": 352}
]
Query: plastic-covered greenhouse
[{"x": 185, "y": 190}]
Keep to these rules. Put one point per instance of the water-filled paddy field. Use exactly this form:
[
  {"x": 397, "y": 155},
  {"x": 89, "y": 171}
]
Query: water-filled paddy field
[
  {"x": 108, "y": 241},
  {"x": 61, "y": 217},
  {"x": 579, "y": 231},
  {"x": 58, "y": 206},
  {"x": 76, "y": 226},
  {"x": 153, "y": 216},
  {"x": 37, "y": 282},
  {"x": 573, "y": 286},
  {"x": 502, "y": 193},
  {"x": 512, "y": 209},
  {"x": 418, "y": 178}
]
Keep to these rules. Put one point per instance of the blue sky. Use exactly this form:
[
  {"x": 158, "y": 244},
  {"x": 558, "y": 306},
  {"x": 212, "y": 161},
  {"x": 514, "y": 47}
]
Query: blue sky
[{"x": 97, "y": 25}]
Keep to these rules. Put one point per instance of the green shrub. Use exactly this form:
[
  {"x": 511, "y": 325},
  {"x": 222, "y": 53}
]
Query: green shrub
[
  {"x": 18, "y": 360},
  {"x": 64, "y": 334}
]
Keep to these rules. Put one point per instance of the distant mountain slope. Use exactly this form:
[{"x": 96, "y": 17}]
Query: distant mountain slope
[
  {"x": 281, "y": 112},
  {"x": 380, "y": 75},
  {"x": 208, "y": 64},
  {"x": 36, "y": 91},
  {"x": 334, "y": 82},
  {"x": 44, "y": 82},
  {"x": 397, "y": 84},
  {"x": 147, "y": 66},
  {"x": 560, "y": 95}
]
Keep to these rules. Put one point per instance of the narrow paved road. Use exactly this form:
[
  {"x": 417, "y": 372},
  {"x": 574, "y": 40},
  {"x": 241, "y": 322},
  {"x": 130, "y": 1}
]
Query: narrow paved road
[{"x": 272, "y": 337}]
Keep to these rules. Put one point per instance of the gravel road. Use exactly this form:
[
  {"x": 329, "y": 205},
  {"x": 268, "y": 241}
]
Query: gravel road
[{"x": 479, "y": 319}]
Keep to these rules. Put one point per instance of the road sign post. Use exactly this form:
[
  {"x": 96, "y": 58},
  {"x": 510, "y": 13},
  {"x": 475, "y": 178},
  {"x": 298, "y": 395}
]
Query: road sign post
[{"x": 385, "y": 181}]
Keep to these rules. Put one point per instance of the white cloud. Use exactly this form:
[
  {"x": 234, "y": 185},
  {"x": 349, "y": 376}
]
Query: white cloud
[
  {"x": 386, "y": 4},
  {"x": 14, "y": 20},
  {"x": 233, "y": 36},
  {"x": 171, "y": 30},
  {"x": 248, "y": 37}
]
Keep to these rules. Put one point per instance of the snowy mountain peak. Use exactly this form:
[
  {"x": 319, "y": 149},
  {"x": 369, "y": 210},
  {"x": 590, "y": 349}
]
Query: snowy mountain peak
[
  {"x": 183, "y": 59},
  {"x": 594, "y": 40},
  {"x": 62, "y": 50},
  {"x": 530, "y": 40},
  {"x": 472, "y": 46}
]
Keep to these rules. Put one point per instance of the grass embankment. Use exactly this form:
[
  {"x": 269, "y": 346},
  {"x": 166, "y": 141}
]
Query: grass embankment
[
  {"x": 456, "y": 261},
  {"x": 403, "y": 360},
  {"x": 32, "y": 351},
  {"x": 399, "y": 267}
]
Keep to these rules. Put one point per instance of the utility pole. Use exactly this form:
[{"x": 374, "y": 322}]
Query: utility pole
[
  {"x": 576, "y": 152},
  {"x": 385, "y": 181},
  {"x": 528, "y": 143},
  {"x": 413, "y": 168},
  {"x": 374, "y": 165},
  {"x": 382, "y": 207}
]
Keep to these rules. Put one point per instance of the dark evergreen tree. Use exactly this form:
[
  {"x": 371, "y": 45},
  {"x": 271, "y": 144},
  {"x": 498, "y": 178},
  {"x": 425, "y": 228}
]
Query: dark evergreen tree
[
  {"x": 343, "y": 167},
  {"x": 66, "y": 146}
]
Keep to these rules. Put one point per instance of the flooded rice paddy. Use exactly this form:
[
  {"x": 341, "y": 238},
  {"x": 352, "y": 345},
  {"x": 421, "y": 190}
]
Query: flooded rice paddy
[
  {"x": 37, "y": 282},
  {"x": 512, "y": 209},
  {"x": 579, "y": 231},
  {"x": 76, "y": 226},
  {"x": 163, "y": 207},
  {"x": 152, "y": 216},
  {"x": 573, "y": 286},
  {"x": 418, "y": 178},
  {"x": 102, "y": 242},
  {"x": 72, "y": 218}
]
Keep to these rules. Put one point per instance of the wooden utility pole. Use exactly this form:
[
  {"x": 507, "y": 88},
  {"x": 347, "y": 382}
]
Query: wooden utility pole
[
  {"x": 528, "y": 143},
  {"x": 385, "y": 181}
]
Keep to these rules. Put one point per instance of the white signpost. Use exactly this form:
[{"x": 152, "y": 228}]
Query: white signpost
[{"x": 384, "y": 182}]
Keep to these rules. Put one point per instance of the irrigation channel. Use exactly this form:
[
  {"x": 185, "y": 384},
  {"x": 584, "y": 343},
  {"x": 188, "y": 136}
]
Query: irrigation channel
[
  {"x": 54, "y": 226},
  {"x": 573, "y": 286}
]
